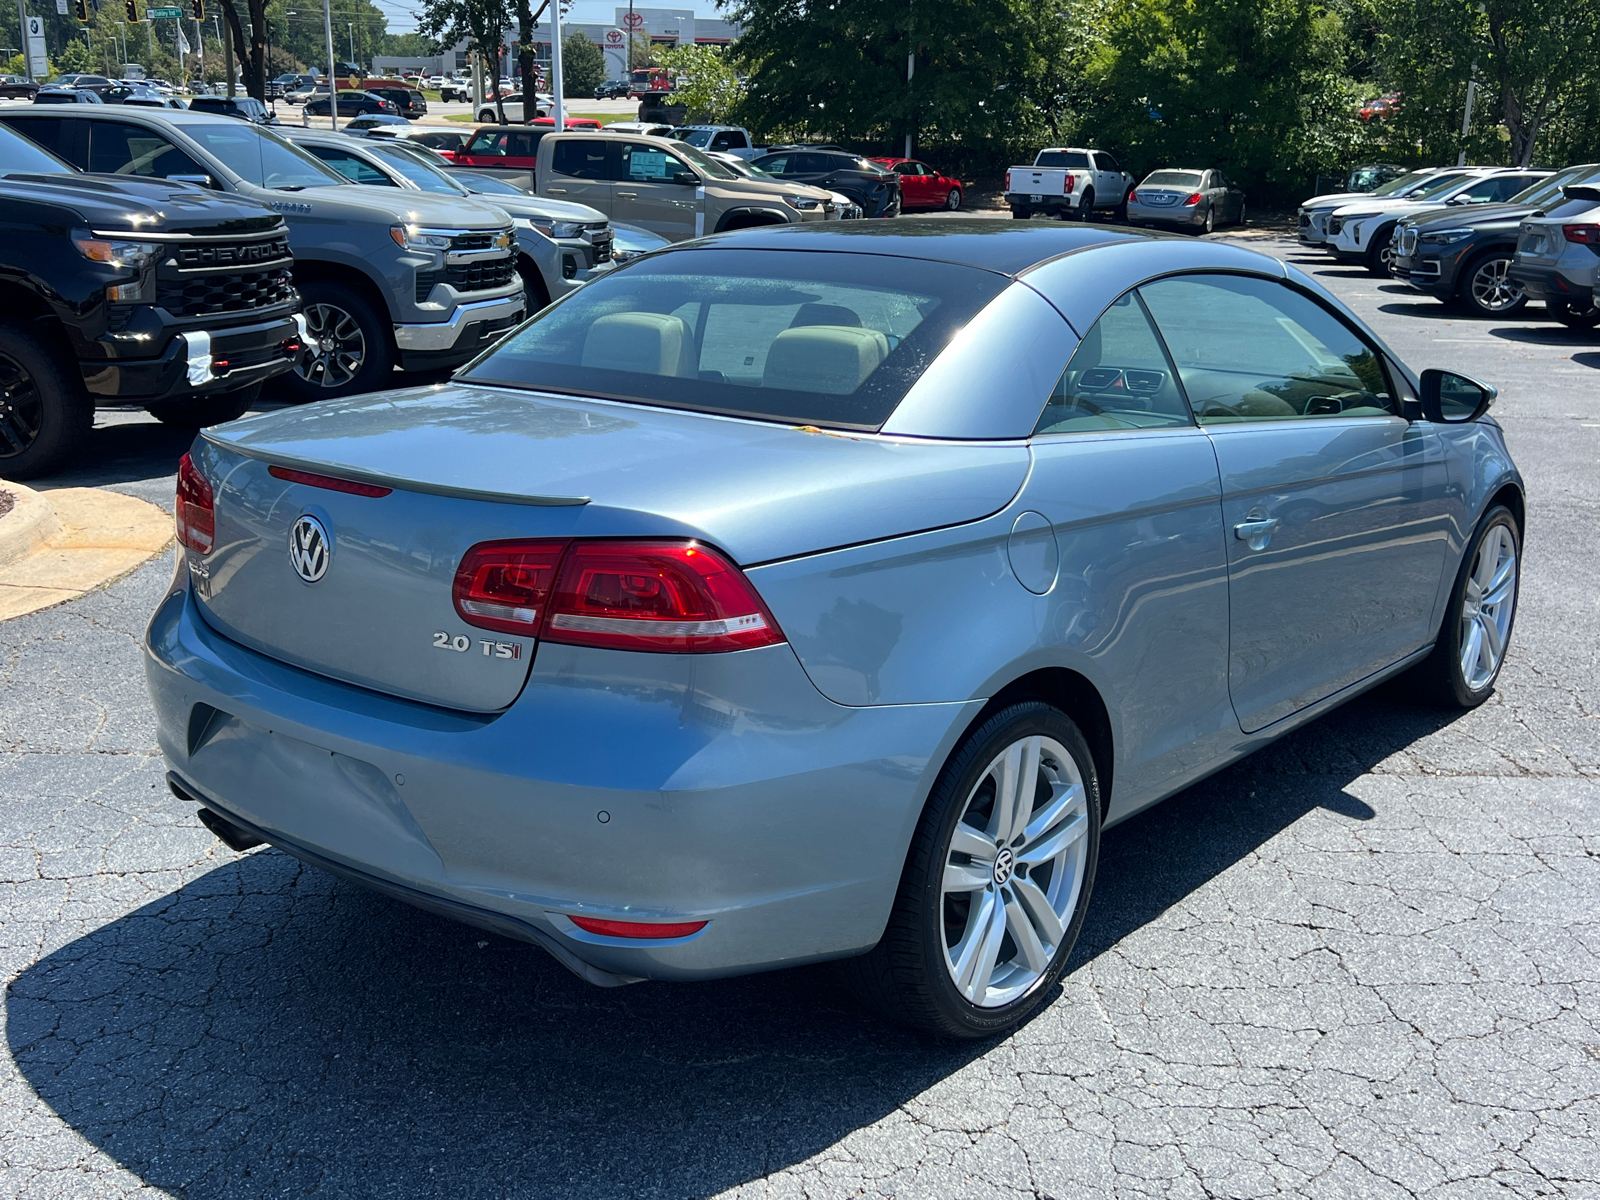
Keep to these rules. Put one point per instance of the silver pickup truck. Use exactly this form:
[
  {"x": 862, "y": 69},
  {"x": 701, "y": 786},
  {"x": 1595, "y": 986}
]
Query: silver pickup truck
[{"x": 387, "y": 278}]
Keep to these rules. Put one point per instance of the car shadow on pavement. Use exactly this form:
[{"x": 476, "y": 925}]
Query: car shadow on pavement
[
  {"x": 1550, "y": 334},
  {"x": 267, "y": 1029}
]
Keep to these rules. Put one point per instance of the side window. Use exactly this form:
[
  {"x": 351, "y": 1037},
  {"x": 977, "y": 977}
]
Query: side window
[
  {"x": 352, "y": 168},
  {"x": 776, "y": 165},
  {"x": 490, "y": 143},
  {"x": 727, "y": 141},
  {"x": 522, "y": 143},
  {"x": 1484, "y": 189},
  {"x": 1252, "y": 349},
  {"x": 1106, "y": 162},
  {"x": 647, "y": 164},
  {"x": 579, "y": 159},
  {"x": 49, "y": 132},
  {"x": 1118, "y": 378},
  {"x": 134, "y": 150}
]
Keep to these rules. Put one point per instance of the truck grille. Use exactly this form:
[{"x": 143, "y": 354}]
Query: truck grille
[
  {"x": 225, "y": 276},
  {"x": 480, "y": 276},
  {"x": 471, "y": 241}
]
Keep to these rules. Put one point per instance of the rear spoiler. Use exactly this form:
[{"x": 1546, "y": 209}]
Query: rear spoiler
[{"x": 1581, "y": 191}]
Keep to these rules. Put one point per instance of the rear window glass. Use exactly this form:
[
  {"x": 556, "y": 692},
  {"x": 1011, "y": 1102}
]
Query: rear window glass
[
  {"x": 1172, "y": 179},
  {"x": 806, "y": 339},
  {"x": 1061, "y": 158}
]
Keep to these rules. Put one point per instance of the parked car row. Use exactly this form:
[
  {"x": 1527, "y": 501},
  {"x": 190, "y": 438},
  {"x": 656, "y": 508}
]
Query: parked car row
[
  {"x": 179, "y": 260},
  {"x": 1484, "y": 239}
]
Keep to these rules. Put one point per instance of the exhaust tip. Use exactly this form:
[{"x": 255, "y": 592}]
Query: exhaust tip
[{"x": 229, "y": 834}]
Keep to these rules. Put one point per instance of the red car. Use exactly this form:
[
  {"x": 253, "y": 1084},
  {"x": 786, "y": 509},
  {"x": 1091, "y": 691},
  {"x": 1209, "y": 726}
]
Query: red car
[{"x": 923, "y": 187}]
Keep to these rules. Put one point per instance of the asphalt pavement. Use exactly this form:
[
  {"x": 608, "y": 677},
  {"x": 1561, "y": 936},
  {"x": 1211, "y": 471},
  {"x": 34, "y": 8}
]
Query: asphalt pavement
[{"x": 1363, "y": 963}]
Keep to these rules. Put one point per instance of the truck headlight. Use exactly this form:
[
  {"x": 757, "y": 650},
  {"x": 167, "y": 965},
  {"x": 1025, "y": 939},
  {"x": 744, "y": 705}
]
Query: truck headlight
[
  {"x": 115, "y": 252},
  {"x": 416, "y": 237},
  {"x": 552, "y": 228}
]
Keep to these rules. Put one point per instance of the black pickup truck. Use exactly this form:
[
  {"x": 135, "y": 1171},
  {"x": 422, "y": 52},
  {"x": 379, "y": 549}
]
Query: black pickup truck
[{"x": 116, "y": 289}]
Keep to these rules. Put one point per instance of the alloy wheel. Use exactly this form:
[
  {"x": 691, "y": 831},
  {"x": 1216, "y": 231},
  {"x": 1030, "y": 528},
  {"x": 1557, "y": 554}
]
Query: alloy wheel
[
  {"x": 337, "y": 348},
  {"x": 953, "y": 200},
  {"x": 1493, "y": 290},
  {"x": 1487, "y": 607},
  {"x": 1013, "y": 871},
  {"x": 21, "y": 408}
]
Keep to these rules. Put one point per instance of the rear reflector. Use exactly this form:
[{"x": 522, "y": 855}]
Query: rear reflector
[
  {"x": 195, "y": 510},
  {"x": 637, "y": 929},
  {"x": 504, "y": 585},
  {"x": 332, "y": 484},
  {"x": 679, "y": 597}
]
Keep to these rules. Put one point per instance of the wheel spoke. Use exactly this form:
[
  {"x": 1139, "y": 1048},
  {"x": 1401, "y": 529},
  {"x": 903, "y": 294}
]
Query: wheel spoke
[
  {"x": 1500, "y": 587},
  {"x": 968, "y": 877},
  {"x": 1036, "y": 854},
  {"x": 971, "y": 842},
  {"x": 970, "y": 948},
  {"x": 1044, "y": 917},
  {"x": 1492, "y": 641},
  {"x": 1068, "y": 797},
  {"x": 1488, "y": 558},
  {"x": 1471, "y": 651},
  {"x": 988, "y": 951},
  {"x": 1031, "y": 950}
]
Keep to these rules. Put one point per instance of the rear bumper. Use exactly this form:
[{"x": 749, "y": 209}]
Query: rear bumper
[
  {"x": 632, "y": 786},
  {"x": 471, "y": 327},
  {"x": 1147, "y": 214},
  {"x": 1551, "y": 283},
  {"x": 246, "y": 354},
  {"x": 1044, "y": 204}
]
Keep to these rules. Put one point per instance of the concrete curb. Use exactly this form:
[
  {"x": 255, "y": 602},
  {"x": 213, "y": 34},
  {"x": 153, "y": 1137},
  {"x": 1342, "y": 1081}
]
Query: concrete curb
[
  {"x": 57, "y": 546},
  {"x": 30, "y": 523}
]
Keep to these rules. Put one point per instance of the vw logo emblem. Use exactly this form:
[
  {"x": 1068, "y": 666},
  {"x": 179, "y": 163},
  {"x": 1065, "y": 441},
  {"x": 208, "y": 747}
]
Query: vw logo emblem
[
  {"x": 310, "y": 548},
  {"x": 1003, "y": 864}
]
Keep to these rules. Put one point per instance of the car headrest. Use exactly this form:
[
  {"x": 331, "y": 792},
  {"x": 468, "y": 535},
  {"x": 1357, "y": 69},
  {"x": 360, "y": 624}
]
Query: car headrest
[
  {"x": 824, "y": 314},
  {"x": 643, "y": 342},
  {"x": 830, "y": 359}
]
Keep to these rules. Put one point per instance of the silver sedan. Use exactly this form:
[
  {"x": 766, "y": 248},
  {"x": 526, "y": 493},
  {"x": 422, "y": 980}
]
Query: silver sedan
[{"x": 1197, "y": 200}]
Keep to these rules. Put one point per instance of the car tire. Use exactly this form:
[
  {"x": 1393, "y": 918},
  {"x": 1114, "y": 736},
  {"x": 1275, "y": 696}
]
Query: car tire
[
  {"x": 1486, "y": 288},
  {"x": 45, "y": 415},
  {"x": 1380, "y": 253},
  {"x": 361, "y": 352},
  {"x": 534, "y": 289},
  {"x": 1210, "y": 223},
  {"x": 1021, "y": 214},
  {"x": 1572, "y": 316},
  {"x": 486, "y": 116},
  {"x": 1461, "y": 671},
  {"x": 1086, "y": 205},
  {"x": 197, "y": 412},
  {"x": 1121, "y": 214},
  {"x": 952, "y": 200},
  {"x": 972, "y": 922},
  {"x": 1241, "y": 212}
]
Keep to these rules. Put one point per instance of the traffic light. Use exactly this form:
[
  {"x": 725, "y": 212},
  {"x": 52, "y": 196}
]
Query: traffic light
[
  {"x": 83, "y": 10},
  {"x": 133, "y": 12},
  {"x": 197, "y": 9}
]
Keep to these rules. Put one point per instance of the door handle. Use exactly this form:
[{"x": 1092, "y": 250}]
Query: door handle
[
  {"x": 627, "y": 195},
  {"x": 556, "y": 191},
  {"x": 1256, "y": 534}
]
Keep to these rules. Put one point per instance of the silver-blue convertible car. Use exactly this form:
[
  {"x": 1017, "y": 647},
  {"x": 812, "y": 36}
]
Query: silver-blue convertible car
[{"x": 822, "y": 594}]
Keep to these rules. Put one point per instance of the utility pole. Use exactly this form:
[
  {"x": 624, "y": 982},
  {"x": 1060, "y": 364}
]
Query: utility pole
[
  {"x": 630, "y": 41},
  {"x": 351, "y": 26},
  {"x": 333, "y": 75},
  {"x": 558, "y": 111},
  {"x": 911, "y": 68}
]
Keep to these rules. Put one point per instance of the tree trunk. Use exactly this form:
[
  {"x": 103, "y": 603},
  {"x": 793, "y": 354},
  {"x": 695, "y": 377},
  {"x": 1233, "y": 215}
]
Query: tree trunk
[
  {"x": 252, "y": 57},
  {"x": 526, "y": 19}
]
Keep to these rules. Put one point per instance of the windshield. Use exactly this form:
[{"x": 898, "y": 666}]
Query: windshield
[
  {"x": 1440, "y": 183},
  {"x": 780, "y": 335},
  {"x": 263, "y": 158},
  {"x": 695, "y": 137},
  {"x": 19, "y": 156},
  {"x": 424, "y": 174},
  {"x": 706, "y": 163},
  {"x": 1546, "y": 190},
  {"x": 1398, "y": 187},
  {"x": 482, "y": 183},
  {"x": 1172, "y": 178}
]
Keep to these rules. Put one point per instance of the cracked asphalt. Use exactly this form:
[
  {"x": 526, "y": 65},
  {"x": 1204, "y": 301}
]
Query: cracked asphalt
[{"x": 1363, "y": 963}]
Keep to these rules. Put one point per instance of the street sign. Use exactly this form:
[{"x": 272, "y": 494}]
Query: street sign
[
  {"x": 61, "y": 8},
  {"x": 38, "y": 61},
  {"x": 176, "y": 13}
]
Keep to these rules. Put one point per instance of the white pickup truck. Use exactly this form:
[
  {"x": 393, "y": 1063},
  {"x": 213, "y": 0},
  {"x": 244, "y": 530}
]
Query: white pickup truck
[{"x": 1068, "y": 181}]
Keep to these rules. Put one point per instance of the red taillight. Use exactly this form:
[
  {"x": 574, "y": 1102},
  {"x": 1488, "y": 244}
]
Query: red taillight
[
  {"x": 504, "y": 585},
  {"x": 638, "y": 929},
  {"x": 329, "y": 482},
  {"x": 1008, "y": 181},
  {"x": 679, "y": 597},
  {"x": 1589, "y": 235},
  {"x": 1069, "y": 185},
  {"x": 1193, "y": 198},
  {"x": 196, "y": 508}
]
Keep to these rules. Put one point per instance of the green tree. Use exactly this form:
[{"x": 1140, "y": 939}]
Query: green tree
[
  {"x": 983, "y": 78},
  {"x": 583, "y": 67},
  {"x": 1535, "y": 61},
  {"x": 1252, "y": 86},
  {"x": 709, "y": 88},
  {"x": 480, "y": 23}
]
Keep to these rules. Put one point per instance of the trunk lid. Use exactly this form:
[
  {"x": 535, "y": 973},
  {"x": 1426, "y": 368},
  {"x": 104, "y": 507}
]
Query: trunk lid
[{"x": 474, "y": 464}]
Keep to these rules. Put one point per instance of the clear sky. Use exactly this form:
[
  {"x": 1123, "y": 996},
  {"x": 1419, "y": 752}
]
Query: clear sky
[{"x": 402, "y": 14}]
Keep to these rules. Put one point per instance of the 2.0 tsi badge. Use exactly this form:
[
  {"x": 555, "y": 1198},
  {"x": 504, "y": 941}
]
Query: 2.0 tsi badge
[{"x": 310, "y": 548}]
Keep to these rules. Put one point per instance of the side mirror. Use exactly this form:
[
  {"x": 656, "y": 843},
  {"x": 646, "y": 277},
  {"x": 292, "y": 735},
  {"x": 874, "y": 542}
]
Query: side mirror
[
  {"x": 687, "y": 178},
  {"x": 1452, "y": 399},
  {"x": 198, "y": 180}
]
